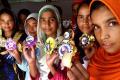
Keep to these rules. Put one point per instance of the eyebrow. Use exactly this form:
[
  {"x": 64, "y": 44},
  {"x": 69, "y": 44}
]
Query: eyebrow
[
  {"x": 112, "y": 18},
  {"x": 49, "y": 17}
]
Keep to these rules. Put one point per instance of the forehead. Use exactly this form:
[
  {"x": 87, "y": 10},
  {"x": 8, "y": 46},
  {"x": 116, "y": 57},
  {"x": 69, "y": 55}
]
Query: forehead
[
  {"x": 5, "y": 16},
  {"x": 31, "y": 19},
  {"x": 84, "y": 9},
  {"x": 101, "y": 14},
  {"x": 48, "y": 12}
]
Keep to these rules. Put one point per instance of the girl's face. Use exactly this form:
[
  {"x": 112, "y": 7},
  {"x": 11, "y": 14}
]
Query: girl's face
[
  {"x": 32, "y": 26},
  {"x": 23, "y": 18},
  {"x": 48, "y": 23},
  {"x": 83, "y": 19},
  {"x": 106, "y": 29},
  {"x": 7, "y": 22}
]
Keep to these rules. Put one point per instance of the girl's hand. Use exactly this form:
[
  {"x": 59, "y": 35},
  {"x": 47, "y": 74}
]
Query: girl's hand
[
  {"x": 29, "y": 54},
  {"x": 50, "y": 61},
  {"x": 89, "y": 51},
  {"x": 51, "y": 58},
  {"x": 77, "y": 72},
  {"x": 16, "y": 55}
]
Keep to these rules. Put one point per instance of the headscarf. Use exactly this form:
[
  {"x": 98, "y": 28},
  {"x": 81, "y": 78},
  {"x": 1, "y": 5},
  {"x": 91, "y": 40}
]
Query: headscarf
[{"x": 105, "y": 66}]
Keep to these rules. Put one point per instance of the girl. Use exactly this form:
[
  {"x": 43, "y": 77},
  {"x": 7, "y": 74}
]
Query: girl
[
  {"x": 49, "y": 25},
  {"x": 22, "y": 15},
  {"x": 9, "y": 57},
  {"x": 31, "y": 24},
  {"x": 30, "y": 29},
  {"x": 104, "y": 64},
  {"x": 84, "y": 25}
]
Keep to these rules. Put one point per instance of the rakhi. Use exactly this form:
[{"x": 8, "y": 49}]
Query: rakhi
[
  {"x": 86, "y": 40},
  {"x": 67, "y": 49},
  {"x": 30, "y": 41},
  {"x": 64, "y": 48},
  {"x": 10, "y": 44},
  {"x": 50, "y": 45}
]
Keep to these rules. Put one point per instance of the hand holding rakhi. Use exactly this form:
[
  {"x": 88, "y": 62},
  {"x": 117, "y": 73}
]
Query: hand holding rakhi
[
  {"x": 10, "y": 44},
  {"x": 77, "y": 72},
  {"x": 50, "y": 58},
  {"x": 30, "y": 41},
  {"x": 88, "y": 44},
  {"x": 29, "y": 54},
  {"x": 11, "y": 47},
  {"x": 86, "y": 40},
  {"x": 50, "y": 49},
  {"x": 67, "y": 50}
]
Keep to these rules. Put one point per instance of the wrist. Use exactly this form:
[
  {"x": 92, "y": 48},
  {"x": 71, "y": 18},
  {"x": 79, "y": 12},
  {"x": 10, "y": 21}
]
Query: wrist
[
  {"x": 50, "y": 65},
  {"x": 32, "y": 62}
]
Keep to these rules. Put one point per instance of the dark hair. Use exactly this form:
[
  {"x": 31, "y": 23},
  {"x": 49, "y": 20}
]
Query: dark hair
[
  {"x": 96, "y": 5},
  {"x": 82, "y": 3},
  {"x": 25, "y": 12},
  {"x": 59, "y": 9}
]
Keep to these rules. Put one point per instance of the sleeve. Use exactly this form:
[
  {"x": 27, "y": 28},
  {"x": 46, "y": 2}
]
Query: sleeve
[
  {"x": 86, "y": 61},
  {"x": 60, "y": 75},
  {"x": 24, "y": 65},
  {"x": 36, "y": 78}
]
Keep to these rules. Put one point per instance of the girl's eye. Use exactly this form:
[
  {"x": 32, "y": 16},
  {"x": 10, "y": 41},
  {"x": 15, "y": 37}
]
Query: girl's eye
[
  {"x": 52, "y": 19},
  {"x": 42, "y": 20},
  {"x": 95, "y": 27},
  {"x": 113, "y": 23},
  {"x": 80, "y": 17}
]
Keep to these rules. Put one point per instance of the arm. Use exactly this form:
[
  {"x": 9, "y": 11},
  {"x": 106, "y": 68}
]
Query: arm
[
  {"x": 24, "y": 65},
  {"x": 29, "y": 54},
  {"x": 59, "y": 75},
  {"x": 78, "y": 72},
  {"x": 50, "y": 61},
  {"x": 16, "y": 55}
]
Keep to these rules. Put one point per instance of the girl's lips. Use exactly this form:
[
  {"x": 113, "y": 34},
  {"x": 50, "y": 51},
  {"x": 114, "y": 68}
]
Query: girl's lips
[{"x": 106, "y": 45}]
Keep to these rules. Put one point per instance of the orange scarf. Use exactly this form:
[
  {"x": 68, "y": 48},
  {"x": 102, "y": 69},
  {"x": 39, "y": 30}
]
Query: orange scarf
[
  {"x": 113, "y": 5},
  {"x": 104, "y": 66}
]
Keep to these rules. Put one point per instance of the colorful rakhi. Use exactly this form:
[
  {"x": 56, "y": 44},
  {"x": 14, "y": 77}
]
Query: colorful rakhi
[
  {"x": 50, "y": 45},
  {"x": 30, "y": 41},
  {"x": 64, "y": 48},
  {"x": 10, "y": 44},
  {"x": 86, "y": 40},
  {"x": 68, "y": 34}
]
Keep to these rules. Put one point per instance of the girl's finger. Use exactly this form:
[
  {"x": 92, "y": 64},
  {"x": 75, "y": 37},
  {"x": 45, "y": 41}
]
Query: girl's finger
[
  {"x": 32, "y": 52},
  {"x": 76, "y": 72},
  {"x": 25, "y": 52},
  {"x": 82, "y": 69},
  {"x": 71, "y": 76}
]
